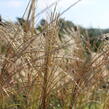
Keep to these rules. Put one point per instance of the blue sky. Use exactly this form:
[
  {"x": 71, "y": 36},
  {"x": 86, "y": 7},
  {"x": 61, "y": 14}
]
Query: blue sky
[{"x": 88, "y": 13}]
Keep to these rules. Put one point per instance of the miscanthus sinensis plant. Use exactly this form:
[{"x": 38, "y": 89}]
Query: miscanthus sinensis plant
[{"x": 40, "y": 71}]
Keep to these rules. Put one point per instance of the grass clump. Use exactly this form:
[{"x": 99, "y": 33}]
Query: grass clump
[{"x": 38, "y": 70}]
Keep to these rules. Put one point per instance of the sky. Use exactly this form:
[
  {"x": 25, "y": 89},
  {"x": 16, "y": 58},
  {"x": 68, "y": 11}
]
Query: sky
[{"x": 87, "y": 13}]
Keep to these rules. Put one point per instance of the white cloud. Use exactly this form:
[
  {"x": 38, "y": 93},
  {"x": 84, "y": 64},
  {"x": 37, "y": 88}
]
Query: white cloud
[
  {"x": 63, "y": 4},
  {"x": 88, "y": 2},
  {"x": 12, "y": 3}
]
